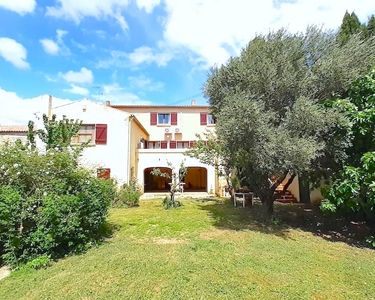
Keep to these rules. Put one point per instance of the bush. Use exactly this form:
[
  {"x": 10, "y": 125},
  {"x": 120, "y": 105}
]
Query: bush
[
  {"x": 128, "y": 195},
  {"x": 353, "y": 192},
  {"x": 168, "y": 202},
  {"x": 49, "y": 206}
]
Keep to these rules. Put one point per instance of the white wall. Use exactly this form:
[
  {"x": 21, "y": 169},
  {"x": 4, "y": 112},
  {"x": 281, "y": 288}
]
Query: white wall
[
  {"x": 159, "y": 158},
  {"x": 113, "y": 155}
]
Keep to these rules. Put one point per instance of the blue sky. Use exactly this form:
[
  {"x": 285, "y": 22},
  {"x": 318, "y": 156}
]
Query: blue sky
[{"x": 138, "y": 51}]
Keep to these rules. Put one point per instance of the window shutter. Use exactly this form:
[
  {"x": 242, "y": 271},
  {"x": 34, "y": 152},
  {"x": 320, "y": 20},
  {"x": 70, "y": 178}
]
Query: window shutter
[
  {"x": 153, "y": 118},
  {"x": 104, "y": 173},
  {"x": 192, "y": 144},
  {"x": 172, "y": 145},
  {"x": 203, "y": 118},
  {"x": 174, "y": 118},
  {"x": 101, "y": 134},
  {"x": 164, "y": 145}
]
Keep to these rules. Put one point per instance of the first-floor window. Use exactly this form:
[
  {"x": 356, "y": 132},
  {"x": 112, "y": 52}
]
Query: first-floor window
[
  {"x": 104, "y": 173},
  {"x": 164, "y": 119}
]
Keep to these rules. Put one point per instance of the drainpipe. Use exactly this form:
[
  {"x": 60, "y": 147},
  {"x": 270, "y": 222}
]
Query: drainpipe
[{"x": 130, "y": 119}]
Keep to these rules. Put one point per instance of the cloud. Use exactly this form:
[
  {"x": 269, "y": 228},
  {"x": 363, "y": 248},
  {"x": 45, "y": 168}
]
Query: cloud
[
  {"x": 77, "y": 90},
  {"x": 139, "y": 56},
  {"x": 53, "y": 47},
  {"x": 117, "y": 94},
  {"x": 21, "y": 7},
  {"x": 214, "y": 30},
  {"x": 148, "y": 5},
  {"x": 81, "y": 77},
  {"x": 13, "y": 52},
  {"x": 145, "y": 84},
  {"x": 50, "y": 46},
  {"x": 77, "y": 10},
  {"x": 16, "y": 110}
]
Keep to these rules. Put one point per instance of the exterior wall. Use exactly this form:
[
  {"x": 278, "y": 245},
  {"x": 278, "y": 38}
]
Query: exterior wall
[
  {"x": 149, "y": 158},
  {"x": 13, "y": 137},
  {"x": 114, "y": 154},
  {"x": 136, "y": 134},
  {"x": 188, "y": 121}
]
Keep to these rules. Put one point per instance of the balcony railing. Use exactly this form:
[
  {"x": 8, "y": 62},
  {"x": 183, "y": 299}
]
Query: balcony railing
[{"x": 167, "y": 144}]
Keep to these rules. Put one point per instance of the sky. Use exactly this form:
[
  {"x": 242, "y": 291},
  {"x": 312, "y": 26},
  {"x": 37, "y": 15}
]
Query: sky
[{"x": 136, "y": 51}]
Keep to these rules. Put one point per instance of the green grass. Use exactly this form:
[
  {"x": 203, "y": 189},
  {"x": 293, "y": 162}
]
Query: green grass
[{"x": 203, "y": 250}]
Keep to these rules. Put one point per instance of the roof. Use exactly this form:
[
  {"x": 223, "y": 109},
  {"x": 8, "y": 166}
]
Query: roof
[
  {"x": 13, "y": 128},
  {"x": 119, "y": 106}
]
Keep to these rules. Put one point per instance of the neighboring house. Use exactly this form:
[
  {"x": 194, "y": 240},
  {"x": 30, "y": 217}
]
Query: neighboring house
[
  {"x": 172, "y": 130},
  {"x": 13, "y": 133}
]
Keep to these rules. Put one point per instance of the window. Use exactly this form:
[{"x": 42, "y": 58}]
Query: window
[
  {"x": 103, "y": 173},
  {"x": 86, "y": 134},
  {"x": 164, "y": 119},
  {"x": 211, "y": 119}
]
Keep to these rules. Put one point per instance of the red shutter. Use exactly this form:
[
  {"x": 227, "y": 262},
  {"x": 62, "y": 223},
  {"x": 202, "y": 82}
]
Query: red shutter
[
  {"x": 101, "y": 134},
  {"x": 192, "y": 144},
  {"x": 172, "y": 145},
  {"x": 174, "y": 118},
  {"x": 104, "y": 173},
  {"x": 164, "y": 145},
  {"x": 153, "y": 118},
  {"x": 204, "y": 118}
]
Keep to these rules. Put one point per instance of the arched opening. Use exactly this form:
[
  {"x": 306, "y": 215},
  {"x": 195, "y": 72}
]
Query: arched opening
[
  {"x": 195, "y": 179},
  {"x": 156, "y": 183}
]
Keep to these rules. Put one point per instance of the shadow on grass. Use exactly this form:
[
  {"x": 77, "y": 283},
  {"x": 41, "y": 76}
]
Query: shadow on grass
[{"x": 288, "y": 216}]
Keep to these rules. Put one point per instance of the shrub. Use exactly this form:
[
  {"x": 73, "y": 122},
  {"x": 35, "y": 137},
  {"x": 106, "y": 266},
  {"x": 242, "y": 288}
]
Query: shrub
[
  {"x": 168, "y": 203},
  {"x": 49, "y": 206},
  {"x": 128, "y": 195}
]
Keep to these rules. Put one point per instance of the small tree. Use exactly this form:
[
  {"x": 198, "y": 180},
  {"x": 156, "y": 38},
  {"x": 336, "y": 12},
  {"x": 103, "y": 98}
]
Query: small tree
[
  {"x": 56, "y": 134},
  {"x": 176, "y": 178}
]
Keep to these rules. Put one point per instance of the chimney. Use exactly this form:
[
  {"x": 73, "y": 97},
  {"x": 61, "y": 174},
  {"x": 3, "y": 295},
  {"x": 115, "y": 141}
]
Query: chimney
[
  {"x": 193, "y": 102},
  {"x": 49, "y": 107}
]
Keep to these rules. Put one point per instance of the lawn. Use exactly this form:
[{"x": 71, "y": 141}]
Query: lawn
[{"x": 204, "y": 250}]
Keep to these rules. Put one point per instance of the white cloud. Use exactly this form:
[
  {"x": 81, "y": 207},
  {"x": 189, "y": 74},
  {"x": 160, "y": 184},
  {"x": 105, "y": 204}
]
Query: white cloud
[
  {"x": 145, "y": 84},
  {"x": 77, "y": 10},
  {"x": 77, "y": 90},
  {"x": 216, "y": 29},
  {"x": 139, "y": 56},
  {"x": 21, "y": 6},
  {"x": 148, "y": 5},
  {"x": 117, "y": 94},
  {"x": 53, "y": 47},
  {"x": 81, "y": 77},
  {"x": 13, "y": 52},
  {"x": 50, "y": 46},
  {"x": 148, "y": 55},
  {"x": 16, "y": 110}
]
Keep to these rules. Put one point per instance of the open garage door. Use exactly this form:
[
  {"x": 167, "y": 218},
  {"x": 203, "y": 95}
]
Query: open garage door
[
  {"x": 195, "y": 179},
  {"x": 156, "y": 184}
]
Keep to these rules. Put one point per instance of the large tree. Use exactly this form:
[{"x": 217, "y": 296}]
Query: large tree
[{"x": 268, "y": 104}]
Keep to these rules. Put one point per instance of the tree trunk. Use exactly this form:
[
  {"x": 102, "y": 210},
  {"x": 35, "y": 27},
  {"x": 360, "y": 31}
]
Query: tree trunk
[
  {"x": 304, "y": 188},
  {"x": 289, "y": 182},
  {"x": 270, "y": 198}
]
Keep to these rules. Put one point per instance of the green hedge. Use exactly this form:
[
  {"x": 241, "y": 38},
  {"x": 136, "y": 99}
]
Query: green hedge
[{"x": 48, "y": 204}]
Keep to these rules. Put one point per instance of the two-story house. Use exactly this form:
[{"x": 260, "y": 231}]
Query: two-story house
[{"x": 172, "y": 130}]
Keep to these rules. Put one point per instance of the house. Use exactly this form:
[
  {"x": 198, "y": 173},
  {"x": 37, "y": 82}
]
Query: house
[
  {"x": 171, "y": 131},
  {"x": 109, "y": 133},
  {"x": 13, "y": 133}
]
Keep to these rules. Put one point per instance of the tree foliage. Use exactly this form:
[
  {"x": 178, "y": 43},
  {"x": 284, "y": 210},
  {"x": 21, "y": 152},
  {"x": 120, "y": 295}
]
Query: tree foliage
[
  {"x": 269, "y": 104},
  {"x": 350, "y": 25},
  {"x": 353, "y": 191}
]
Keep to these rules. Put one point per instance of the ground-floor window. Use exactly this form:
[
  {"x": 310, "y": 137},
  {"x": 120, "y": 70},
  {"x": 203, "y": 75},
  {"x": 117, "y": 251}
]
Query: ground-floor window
[{"x": 156, "y": 183}]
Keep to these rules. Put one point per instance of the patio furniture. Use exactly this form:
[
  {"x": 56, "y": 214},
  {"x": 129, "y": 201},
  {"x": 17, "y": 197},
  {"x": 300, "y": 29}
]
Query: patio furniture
[{"x": 243, "y": 197}]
